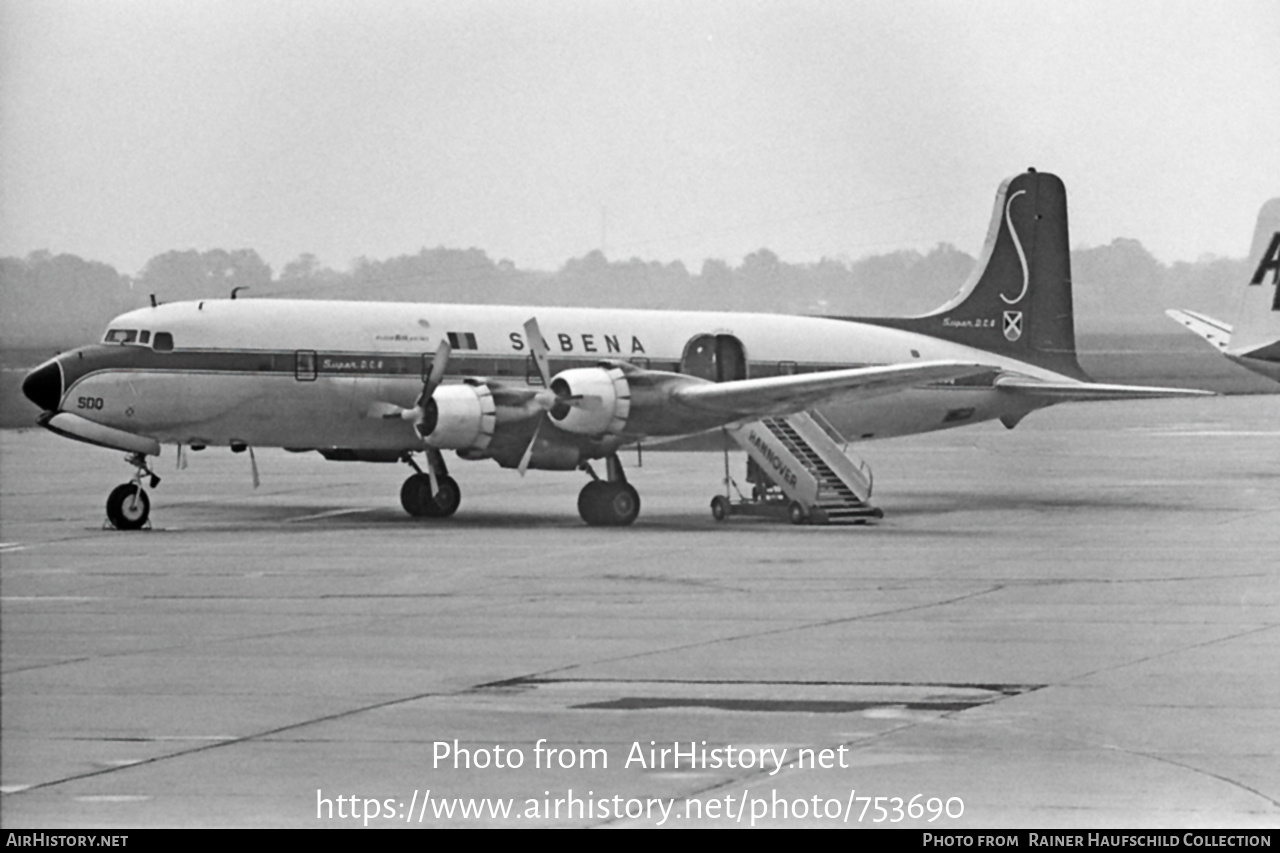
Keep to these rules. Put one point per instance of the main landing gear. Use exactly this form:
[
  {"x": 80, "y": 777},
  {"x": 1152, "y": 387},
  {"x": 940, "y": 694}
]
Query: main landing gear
[
  {"x": 608, "y": 503},
  {"x": 418, "y": 497},
  {"x": 128, "y": 507}
]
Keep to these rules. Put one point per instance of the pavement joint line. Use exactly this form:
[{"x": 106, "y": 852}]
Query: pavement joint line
[
  {"x": 825, "y": 623},
  {"x": 182, "y": 753}
]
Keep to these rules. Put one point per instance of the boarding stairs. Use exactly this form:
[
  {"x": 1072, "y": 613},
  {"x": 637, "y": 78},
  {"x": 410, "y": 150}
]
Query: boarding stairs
[{"x": 809, "y": 461}]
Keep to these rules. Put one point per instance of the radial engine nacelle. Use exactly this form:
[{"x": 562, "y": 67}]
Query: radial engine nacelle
[
  {"x": 459, "y": 417},
  {"x": 591, "y": 400}
]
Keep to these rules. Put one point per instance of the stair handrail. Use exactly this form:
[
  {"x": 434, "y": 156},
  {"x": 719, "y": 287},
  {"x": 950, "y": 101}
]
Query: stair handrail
[
  {"x": 827, "y": 427},
  {"x": 836, "y": 436}
]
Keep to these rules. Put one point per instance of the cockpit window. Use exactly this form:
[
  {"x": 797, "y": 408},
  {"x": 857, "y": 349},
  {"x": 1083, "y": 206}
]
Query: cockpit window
[
  {"x": 163, "y": 342},
  {"x": 144, "y": 337},
  {"x": 121, "y": 336}
]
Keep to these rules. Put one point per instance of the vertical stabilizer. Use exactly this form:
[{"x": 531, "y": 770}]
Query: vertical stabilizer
[
  {"x": 1017, "y": 302},
  {"x": 1256, "y": 330}
]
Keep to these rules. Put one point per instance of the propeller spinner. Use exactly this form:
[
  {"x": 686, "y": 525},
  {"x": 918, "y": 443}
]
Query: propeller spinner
[
  {"x": 556, "y": 397},
  {"x": 424, "y": 410}
]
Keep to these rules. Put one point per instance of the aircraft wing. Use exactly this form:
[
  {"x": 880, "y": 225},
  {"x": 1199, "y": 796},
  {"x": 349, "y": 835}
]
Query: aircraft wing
[
  {"x": 1214, "y": 331},
  {"x": 777, "y": 395},
  {"x": 1059, "y": 392}
]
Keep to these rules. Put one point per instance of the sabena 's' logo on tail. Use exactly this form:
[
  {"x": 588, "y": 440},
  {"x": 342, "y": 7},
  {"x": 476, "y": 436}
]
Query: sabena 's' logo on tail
[
  {"x": 1013, "y": 319},
  {"x": 1270, "y": 261},
  {"x": 1022, "y": 259}
]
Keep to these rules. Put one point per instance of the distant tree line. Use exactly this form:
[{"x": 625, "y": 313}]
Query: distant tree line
[{"x": 62, "y": 300}]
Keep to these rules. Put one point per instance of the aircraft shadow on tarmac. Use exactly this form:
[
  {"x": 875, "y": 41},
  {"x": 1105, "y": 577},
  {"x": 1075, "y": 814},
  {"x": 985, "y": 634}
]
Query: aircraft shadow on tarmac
[
  {"x": 939, "y": 503},
  {"x": 916, "y": 507}
]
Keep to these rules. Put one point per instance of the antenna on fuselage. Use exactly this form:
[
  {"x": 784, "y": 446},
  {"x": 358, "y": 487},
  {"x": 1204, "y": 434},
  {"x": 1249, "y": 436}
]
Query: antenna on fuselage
[
  {"x": 154, "y": 304},
  {"x": 235, "y": 290}
]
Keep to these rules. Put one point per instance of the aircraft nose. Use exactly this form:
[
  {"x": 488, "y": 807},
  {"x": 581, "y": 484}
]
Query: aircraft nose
[{"x": 43, "y": 386}]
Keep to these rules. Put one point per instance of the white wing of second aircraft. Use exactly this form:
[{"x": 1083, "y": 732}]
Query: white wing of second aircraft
[{"x": 1216, "y": 332}]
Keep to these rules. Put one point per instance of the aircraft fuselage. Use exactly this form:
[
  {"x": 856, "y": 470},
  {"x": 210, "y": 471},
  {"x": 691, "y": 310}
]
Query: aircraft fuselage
[{"x": 307, "y": 374}]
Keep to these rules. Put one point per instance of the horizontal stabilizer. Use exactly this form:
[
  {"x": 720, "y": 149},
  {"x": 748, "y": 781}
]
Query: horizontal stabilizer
[
  {"x": 1059, "y": 392},
  {"x": 1214, "y": 331},
  {"x": 83, "y": 429},
  {"x": 779, "y": 395}
]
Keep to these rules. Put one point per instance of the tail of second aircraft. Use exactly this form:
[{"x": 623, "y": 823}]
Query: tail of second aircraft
[
  {"x": 1017, "y": 302},
  {"x": 1257, "y": 324},
  {"x": 1252, "y": 338}
]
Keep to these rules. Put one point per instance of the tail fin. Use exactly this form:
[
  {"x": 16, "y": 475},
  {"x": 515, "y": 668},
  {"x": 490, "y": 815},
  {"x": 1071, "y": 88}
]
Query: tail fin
[
  {"x": 1256, "y": 331},
  {"x": 1017, "y": 302}
]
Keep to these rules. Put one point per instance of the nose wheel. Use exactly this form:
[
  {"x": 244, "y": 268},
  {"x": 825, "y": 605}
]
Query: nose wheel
[{"x": 128, "y": 507}]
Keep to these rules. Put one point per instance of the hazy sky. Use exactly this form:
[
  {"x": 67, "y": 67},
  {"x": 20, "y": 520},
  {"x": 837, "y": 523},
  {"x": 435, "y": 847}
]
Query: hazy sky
[{"x": 539, "y": 131}]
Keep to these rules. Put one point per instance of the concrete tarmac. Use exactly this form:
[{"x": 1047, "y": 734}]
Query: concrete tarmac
[{"x": 1071, "y": 625}]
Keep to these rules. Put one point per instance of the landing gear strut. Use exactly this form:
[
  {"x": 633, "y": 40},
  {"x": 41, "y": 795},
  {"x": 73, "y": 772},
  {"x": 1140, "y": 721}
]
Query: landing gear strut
[
  {"x": 608, "y": 503},
  {"x": 128, "y": 506},
  {"x": 418, "y": 497}
]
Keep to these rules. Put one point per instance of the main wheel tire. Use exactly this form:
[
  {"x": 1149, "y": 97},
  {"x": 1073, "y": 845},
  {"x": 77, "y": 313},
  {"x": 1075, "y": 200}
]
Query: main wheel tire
[
  {"x": 128, "y": 507},
  {"x": 608, "y": 505},
  {"x": 415, "y": 495},
  {"x": 719, "y": 507},
  {"x": 603, "y": 504},
  {"x": 622, "y": 504},
  {"x": 418, "y": 501},
  {"x": 590, "y": 500},
  {"x": 446, "y": 499}
]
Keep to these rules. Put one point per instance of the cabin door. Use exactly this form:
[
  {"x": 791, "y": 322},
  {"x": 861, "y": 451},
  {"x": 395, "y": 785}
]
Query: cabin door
[{"x": 720, "y": 358}]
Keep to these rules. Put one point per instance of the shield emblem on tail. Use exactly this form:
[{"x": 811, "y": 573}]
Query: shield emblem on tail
[{"x": 1012, "y": 325}]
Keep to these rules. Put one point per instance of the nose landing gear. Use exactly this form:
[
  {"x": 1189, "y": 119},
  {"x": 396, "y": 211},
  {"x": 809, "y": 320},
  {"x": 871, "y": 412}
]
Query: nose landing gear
[{"x": 128, "y": 507}]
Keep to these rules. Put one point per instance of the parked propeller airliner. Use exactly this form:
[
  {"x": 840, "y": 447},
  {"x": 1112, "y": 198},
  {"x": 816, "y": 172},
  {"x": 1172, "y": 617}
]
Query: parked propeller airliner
[
  {"x": 554, "y": 388},
  {"x": 1253, "y": 340}
]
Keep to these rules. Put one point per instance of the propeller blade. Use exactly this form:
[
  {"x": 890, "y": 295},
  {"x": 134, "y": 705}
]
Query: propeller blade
[
  {"x": 548, "y": 400},
  {"x": 415, "y": 415},
  {"x": 538, "y": 347},
  {"x": 253, "y": 465},
  {"x": 545, "y": 398},
  {"x": 528, "y": 451},
  {"x": 389, "y": 411},
  {"x": 438, "y": 365}
]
